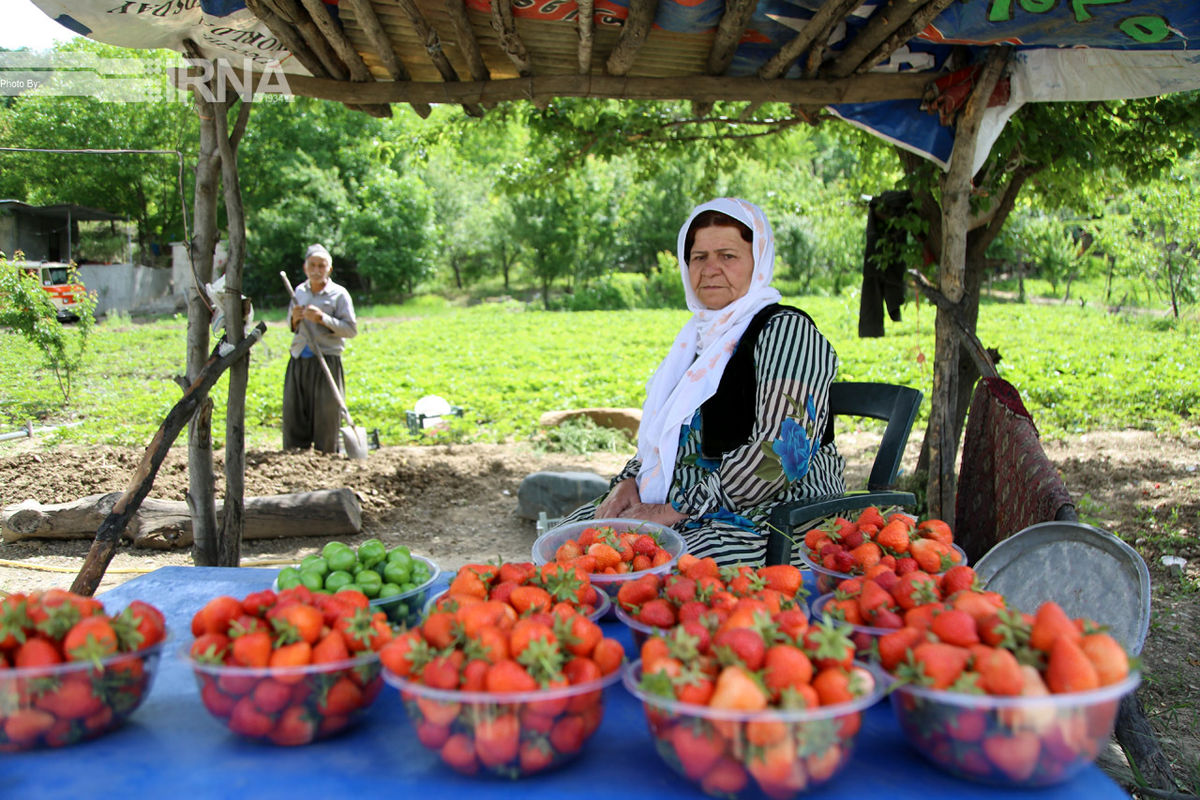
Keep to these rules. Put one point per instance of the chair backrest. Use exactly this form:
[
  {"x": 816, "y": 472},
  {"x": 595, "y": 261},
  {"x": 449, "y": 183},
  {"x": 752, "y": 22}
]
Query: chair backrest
[{"x": 897, "y": 405}]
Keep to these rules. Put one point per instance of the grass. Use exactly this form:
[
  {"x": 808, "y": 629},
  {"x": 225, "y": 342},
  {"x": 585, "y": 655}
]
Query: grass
[{"x": 1077, "y": 368}]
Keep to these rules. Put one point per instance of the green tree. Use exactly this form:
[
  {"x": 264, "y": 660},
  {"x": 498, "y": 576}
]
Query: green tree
[
  {"x": 27, "y": 309},
  {"x": 388, "y": 233},
  {"x": 143, "y": 187}
]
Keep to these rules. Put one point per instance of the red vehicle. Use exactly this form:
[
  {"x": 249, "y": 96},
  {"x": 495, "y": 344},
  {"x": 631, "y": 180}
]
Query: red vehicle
[{"x": 55, "y": 278}]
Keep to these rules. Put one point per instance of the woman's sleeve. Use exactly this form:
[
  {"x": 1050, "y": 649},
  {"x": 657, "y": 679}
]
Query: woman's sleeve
[
  {"x": 794, "y": 367},
  {"x": 632, "y": 467}
]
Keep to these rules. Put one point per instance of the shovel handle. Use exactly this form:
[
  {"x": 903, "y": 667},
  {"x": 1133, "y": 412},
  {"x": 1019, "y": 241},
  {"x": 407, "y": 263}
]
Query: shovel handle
[{"x": 310, "y": 335}]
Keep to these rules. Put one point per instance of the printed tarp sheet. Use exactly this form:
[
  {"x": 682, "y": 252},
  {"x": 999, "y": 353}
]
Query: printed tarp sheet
[{"x": 1065, "y": 49}]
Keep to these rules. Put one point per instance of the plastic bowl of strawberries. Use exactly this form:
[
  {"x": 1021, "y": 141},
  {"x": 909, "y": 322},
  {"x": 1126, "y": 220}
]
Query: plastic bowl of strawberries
[
  {"x": 613, "y": 551},
  {"x": 1030, "y": 704},
  {"x": 843, "y": 548},
  {"x": 288, "y": 667},
  {"x": 774, "y": 720},
  {"x": 495, "y": 693},
  {"x": 69, "y": 671},
  {"x": 524, "y": 585},
  {"x": 698, "y": 588}
]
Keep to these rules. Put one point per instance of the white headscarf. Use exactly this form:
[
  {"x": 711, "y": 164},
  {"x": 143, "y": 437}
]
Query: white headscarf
[{"x": 692, "y": 369}]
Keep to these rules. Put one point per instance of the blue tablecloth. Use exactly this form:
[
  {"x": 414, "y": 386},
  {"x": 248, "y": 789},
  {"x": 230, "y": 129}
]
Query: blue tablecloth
[{"x": 172, "y": 747}]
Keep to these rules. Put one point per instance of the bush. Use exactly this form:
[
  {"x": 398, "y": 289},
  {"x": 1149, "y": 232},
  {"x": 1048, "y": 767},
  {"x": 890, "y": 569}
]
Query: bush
[
  {"x": 617, "y": 291},
  {"x": 26, "y": 308}
]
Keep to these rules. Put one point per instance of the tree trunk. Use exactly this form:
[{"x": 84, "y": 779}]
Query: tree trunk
[
  {"x": 229, "y": 541},
  {"x": 201, "y": 489},
  {"x": 956, "y": 195}
]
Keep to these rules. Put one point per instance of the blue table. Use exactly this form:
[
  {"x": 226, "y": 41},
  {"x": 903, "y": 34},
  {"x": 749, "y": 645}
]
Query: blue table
[{"x": 172, "y": 747}]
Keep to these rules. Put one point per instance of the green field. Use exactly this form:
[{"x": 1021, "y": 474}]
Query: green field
[{"x": 1078, "y": 369}]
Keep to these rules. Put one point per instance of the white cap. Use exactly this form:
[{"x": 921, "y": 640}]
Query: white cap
[{"x": 318, "y": 250}]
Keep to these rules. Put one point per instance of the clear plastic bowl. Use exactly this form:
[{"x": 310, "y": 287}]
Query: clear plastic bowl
[
  {"x": 773, "y": 753},
  {"x": 289, "y": 706},
  {"x": 507, "y": 735},
  {"x": 863, "y": 636},
  {"x": 1019, "y": 742},
  {"x": 603, "y": 605},
  {"x": 668, "y": 538},
  {"x": 406, "y": 608},
  {"x": 63, "y": 704},
  {"x": 828, "y": 579}
]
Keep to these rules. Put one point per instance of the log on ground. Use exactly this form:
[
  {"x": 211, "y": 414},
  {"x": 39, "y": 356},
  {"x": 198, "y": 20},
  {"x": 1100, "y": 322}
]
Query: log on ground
[{"x": 166, "y": 524}]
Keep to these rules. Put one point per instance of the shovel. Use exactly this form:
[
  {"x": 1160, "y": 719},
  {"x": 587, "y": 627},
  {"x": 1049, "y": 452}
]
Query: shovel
[{"x": 354, "y": 438}]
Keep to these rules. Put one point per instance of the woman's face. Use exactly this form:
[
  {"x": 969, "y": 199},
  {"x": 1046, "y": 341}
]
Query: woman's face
[{"x": 720, "y": 266}]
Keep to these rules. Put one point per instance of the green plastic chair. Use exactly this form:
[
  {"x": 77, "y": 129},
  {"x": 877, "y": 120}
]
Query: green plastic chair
[{"x": 898, "y": 405}]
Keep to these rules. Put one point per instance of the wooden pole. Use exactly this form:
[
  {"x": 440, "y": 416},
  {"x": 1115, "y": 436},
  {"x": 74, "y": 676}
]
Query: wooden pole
[
  {"x": 956, "y": 195},
  {"x": 201, "y": 496},
  {"x": 229, "y": 541},
  {"x": 107, "y": 537}
]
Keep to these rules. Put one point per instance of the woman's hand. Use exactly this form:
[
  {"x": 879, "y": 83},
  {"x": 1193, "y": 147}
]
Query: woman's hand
[
  {"x": 619, "y": 500},
  {"x": 662, "y": 513}
]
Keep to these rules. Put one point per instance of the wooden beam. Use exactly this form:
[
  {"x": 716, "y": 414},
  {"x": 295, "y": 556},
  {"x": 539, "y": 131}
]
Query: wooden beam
[
  {"x": 333, "y": 34},
  {"x": 956, "y": 211},
  {"x": 903, "y": 34},
  {"x": 284, "y": 32},
  {"x": 827, "y": 16},
  {"x": 729, "y": 32},
  {"x": 364, "y": 15},
  {"x": 505, "y": 27},
  {"x": 292, "y": 14},
  {"x": 887, "y": 19},
  {"x": 586, "y": 23},
  {"x": 633, "y": 34},
  {"x": 468, "y": 45},
  {"x": 337, "y": 40},
  {"x": 702, "y": 88},
  {"x": 433, "y": 48}
]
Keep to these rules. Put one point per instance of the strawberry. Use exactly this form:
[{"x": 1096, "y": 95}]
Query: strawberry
[
  {"x": 784, "y": 667},
  {"x": 999, "y": 671},
  {"x": 697, "y": 747},
  {"x": 1107, "y": 657},
  {"x": 738, "y": 690},
  {"x": 740, "y": 645},
  {"x": 92, "y": 638},
  {"x": 1015, "y": 755},
  {"x": 955, "y": 627},
  {"x": 251, "y": 649},
  {"x": 933, "y": 556},
  {"x": 894, "y": 647},
  {"x": 940, "y": 664},
  {"x": 1068, "y": 668},
  {"x": 1050, "y": 623}
]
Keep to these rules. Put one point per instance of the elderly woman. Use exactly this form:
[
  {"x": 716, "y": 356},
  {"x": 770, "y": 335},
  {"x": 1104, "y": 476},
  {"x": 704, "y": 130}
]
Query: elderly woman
[{"x": 736, "y": 418}]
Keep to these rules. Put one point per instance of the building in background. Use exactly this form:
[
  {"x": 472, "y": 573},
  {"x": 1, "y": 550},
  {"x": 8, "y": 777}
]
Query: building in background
[{"x": 103, "y": 254}]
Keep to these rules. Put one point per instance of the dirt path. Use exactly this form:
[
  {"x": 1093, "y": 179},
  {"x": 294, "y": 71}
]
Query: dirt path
[{"x": 457, "y": 503}]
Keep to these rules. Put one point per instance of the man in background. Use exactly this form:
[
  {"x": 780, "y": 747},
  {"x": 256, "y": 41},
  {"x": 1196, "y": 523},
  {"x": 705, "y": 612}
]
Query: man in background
[{"x": 310, "y": 405}]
